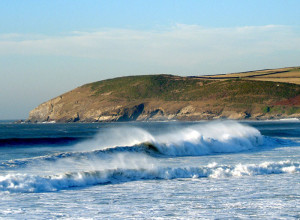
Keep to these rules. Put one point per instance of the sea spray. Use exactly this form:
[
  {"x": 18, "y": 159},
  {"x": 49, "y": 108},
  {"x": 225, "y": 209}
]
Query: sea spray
[
  {"x": 80, "y": 162},
  {"x": 203, "y": 139},
  {"x": 113, "y": 137},
  {"x": 210, "y": 138}
]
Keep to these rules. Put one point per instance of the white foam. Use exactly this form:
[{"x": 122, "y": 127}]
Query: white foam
[
  {"x": 210, "y": 138},
  {"x": 201, "y": 139},
  {"x": 35, "y": 183},
  {"x": 289, "y": 119}
]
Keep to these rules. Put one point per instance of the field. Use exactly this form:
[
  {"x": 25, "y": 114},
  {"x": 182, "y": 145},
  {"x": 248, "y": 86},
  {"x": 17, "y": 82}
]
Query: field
[{"x": 288, "y": 75}]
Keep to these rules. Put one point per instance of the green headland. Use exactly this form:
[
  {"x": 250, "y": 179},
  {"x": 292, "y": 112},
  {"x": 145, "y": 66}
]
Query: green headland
[{"x": 254, "y": 95}]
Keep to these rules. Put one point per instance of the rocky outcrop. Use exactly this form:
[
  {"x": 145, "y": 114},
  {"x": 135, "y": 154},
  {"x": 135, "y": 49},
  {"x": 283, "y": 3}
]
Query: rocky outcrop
[{"x": 142, "y": 112}]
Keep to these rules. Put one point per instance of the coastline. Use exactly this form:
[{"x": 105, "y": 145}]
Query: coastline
[{"x": 281, "y": 119}]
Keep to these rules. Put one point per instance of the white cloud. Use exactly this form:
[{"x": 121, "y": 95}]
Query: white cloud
[
  {"x": 182, "y": 45},
  {"x": 30, "y": 65}
]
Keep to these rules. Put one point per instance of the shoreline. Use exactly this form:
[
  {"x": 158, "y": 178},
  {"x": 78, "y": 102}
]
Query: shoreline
[{"x": 283, "y": 119}]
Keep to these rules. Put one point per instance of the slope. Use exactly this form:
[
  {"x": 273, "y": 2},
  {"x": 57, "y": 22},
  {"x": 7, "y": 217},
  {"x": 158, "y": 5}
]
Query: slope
[{"x": 168, "y": 97}]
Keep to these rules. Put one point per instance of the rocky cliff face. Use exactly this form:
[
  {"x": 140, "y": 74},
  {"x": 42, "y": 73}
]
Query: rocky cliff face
[{"x": 166, "y": 97}]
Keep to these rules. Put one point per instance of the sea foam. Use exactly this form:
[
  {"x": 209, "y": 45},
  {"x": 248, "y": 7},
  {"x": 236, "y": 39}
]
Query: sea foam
[
  {"x": 195, "y": 140},
  {"x": 35, "y": 183},
  {"x": 210, "y": 138}
]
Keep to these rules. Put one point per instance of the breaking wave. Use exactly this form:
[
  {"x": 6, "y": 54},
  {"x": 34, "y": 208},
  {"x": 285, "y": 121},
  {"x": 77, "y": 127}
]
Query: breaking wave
[
  {"x": 132, "y": 154},
  {"x": 198, "y": 140},
  {"x": 36, "y": 183},
  {"x": 225, "y": 137},
  {"x": 203, "y": 139}
]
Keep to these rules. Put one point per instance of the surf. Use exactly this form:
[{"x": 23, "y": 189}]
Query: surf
[
  {"x": 130, "y": 153},
  {"x": 49, "y": 183},
  {"x": 194, "y": 140},
  {"x": 223, "y": 137}
]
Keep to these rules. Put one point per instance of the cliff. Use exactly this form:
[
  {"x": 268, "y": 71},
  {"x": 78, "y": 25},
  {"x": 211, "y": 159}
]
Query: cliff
[{"x": 168, "y": 97}]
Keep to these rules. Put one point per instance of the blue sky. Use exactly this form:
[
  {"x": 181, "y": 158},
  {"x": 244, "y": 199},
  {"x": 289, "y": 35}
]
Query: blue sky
[
  {"x": 50, "y": 47},
  {"x": 61, "y": 16}
]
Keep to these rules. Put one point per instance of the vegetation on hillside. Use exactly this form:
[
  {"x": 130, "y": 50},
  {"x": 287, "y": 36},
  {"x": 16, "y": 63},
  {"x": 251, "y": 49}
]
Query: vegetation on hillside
[
  {"x": 173, "y": 88},
  {"x": 168, "y": 97}
]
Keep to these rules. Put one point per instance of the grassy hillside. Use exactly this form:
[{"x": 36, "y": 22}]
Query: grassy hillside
[
  {"x": 170, "y": 88},
  {"x": 161, "y": 97}
]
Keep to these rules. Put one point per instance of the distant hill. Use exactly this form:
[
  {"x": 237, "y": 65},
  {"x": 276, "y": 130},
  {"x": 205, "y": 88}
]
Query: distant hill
[{"x": 265, "y": 94}]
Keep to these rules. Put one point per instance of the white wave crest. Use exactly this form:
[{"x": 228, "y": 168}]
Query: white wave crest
[
  {"x": 215, "y": 137},
  {"x": 201, "y": 139},
  {"x": 35, "y": 183}
]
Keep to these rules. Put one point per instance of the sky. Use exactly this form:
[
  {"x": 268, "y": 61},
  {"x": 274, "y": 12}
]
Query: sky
[{"x": 50, "y": 47}]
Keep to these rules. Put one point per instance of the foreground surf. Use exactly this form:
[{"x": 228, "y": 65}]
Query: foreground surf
[{"x": 35, "y": 183}]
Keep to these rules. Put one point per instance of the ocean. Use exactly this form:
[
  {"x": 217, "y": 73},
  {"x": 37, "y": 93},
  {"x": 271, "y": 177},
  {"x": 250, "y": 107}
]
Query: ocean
[{"x": 151, "y": 170}]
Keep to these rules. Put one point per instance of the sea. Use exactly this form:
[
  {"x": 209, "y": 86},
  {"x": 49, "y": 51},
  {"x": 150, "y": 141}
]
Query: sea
[{"x": 150, "y": 170}]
